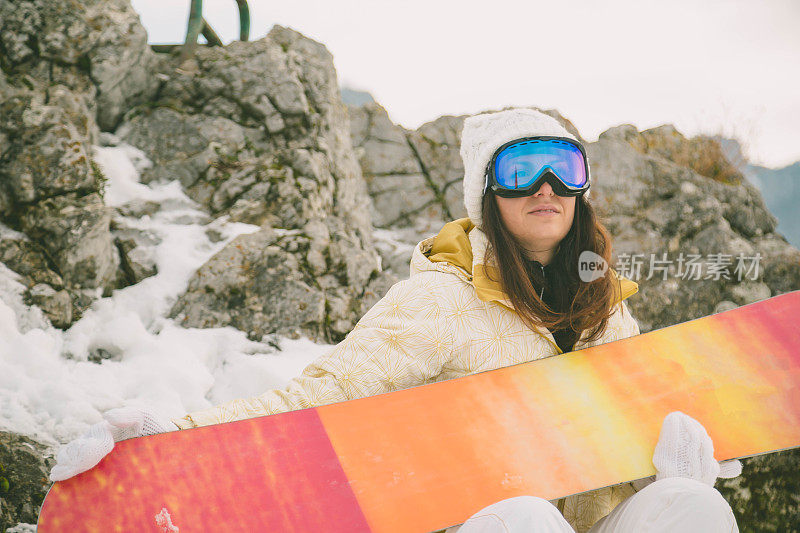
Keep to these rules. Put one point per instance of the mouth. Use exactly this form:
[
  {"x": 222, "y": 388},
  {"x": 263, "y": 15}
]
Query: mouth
[{"x": 544, "y": 209}]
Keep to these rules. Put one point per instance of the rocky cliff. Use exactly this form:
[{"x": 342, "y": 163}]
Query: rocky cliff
[
  {"x": 257, "y": 134},
  {"x": 338, "y": 195}
]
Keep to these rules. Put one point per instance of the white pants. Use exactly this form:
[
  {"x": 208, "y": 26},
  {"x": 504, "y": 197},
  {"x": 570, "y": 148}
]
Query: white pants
[{"x": 672, "y": 504}]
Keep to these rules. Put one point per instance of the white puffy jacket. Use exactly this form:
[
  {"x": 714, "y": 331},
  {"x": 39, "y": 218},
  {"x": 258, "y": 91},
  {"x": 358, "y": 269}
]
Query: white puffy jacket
[{"x": 446, "y": 321}]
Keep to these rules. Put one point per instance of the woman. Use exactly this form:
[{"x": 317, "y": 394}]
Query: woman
[{"x": 495, "y": 289}]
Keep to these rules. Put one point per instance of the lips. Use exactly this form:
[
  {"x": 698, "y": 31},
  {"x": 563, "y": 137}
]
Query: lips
[{"x": 548, "y": 208}]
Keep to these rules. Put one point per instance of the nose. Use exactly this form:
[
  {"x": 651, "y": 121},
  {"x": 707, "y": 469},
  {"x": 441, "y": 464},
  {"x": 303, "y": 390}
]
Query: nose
[{"x": 544, "y": 190}]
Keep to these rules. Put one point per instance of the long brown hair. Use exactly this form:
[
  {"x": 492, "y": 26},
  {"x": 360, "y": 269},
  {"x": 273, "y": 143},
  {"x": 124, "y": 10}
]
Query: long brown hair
[{"x": 581, "y": 306}]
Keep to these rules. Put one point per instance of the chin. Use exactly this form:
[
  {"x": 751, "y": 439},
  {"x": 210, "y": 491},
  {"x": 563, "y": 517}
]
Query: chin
[
  {"x": 540, "y": 236},
  {"x": 548, "y": 229}
]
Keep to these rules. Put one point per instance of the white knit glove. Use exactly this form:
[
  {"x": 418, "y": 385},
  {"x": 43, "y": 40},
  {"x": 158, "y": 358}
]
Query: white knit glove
[
  {"x": 684, "y": 449},
  {"x": 120, "y": 424}
]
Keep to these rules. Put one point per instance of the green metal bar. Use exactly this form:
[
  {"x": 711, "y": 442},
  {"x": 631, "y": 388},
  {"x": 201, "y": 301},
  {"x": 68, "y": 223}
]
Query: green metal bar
[
  {"x": 210, "y": 35},
  {"x": 193, "y": 30},
  {"x": 244, "y": 20},
  {"x": 164, "y": 48}
]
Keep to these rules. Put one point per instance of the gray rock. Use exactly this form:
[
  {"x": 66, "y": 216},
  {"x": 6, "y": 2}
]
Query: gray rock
[
  {"x": 29, "y": 259},
  {"x": 67, "y": 256},
  {"x": 779, "y": 264},
  {"x": 120, "y": 60},
  {"x": 404, "y": 191},
  {"x": 138, "y": 208},
  {"x": 724, "y": 305},
  {"x": 436, "y": 145},
  {"x": 216, "y": 130},
  {"x": 717, "y": 236},
  {"x": 651, "y": 196},
  {"x": 74, "y": 231},
  {"x": 183, "y": 146},
  {"x": 49, "y": 154},
  {"x": 746, "y": 212},
  {"x": 258, "y": 133},
  {"x": 395, "y": 198},
  {"x": 69, "y": 69},
  {"x": 24, "y": 468},
  {"x": 749, "y": 292},
  {"x": 620, "y": 176},
  {"x": 702, "y": 154},
  {"x": 257, "y": 286},
  {"x": 56, "y": 305},
  {"x": 308, "y": 282},
  {"x": 98, "y": 48},
  {"x": 136, "y": 251},
  {"x": 764, "y": 498},
  {"x": 395, "y": 252}
]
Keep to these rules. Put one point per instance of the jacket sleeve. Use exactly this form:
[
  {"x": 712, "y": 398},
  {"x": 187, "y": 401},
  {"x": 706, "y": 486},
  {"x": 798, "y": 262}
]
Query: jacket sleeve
[{"x": 399, "y": 343}]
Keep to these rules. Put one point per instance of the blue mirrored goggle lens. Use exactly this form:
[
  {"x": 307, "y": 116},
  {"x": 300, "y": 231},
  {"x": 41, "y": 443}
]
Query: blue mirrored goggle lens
[{"x": 519, "y": 165}]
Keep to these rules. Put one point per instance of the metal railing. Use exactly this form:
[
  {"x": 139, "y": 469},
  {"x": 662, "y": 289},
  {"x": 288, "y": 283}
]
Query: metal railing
[{"x": 199, "y": 26}]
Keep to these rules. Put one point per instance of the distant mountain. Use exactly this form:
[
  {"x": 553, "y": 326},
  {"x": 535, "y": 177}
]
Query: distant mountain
[
  {"x": 781, "y": 191},
  {"x": 779, "y": 187},
  {"x": 356, "y": 98}
]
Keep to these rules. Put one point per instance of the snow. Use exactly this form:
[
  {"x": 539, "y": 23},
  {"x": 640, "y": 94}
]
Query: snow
[
  {"x": 395, "y": 240},
  {"x": 124, "y": 350},
  {"x": 122, "y": 164},
  {"x": 22, "y": 528}
]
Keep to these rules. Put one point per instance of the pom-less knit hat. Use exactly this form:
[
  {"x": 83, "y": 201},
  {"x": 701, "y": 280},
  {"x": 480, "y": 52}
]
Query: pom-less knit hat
[{"x": 484, "y": 134}]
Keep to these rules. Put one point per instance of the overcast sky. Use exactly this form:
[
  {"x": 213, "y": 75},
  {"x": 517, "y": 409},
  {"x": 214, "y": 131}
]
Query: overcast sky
[{"x": 710, "y": 66}]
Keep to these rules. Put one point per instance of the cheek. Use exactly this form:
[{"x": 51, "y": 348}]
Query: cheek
[
  {"x": 569, "y": 211},
  {"x": 570, "y": 206},
  {"x": 510, "y": 209}
]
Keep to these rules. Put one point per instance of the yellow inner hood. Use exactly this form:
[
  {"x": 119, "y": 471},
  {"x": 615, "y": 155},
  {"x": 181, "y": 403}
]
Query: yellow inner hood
[{"x": 452, "y": 245}]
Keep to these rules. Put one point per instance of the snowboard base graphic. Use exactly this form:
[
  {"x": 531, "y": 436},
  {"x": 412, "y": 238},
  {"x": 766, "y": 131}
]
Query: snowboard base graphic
[{"x": 426, "y": 458}]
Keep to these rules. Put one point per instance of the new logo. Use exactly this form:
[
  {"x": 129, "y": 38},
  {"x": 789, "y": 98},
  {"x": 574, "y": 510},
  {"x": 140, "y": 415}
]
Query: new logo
[{"x": 591, "y": 266}]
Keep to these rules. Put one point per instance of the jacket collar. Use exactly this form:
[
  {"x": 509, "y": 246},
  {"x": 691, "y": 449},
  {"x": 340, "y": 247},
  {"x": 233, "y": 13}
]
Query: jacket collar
[{"x": 460, "y": 248}]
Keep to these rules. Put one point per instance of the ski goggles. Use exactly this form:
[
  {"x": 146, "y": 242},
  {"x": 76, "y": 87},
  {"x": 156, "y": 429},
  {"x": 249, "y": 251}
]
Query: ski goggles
[{"x": 518, "y": 168}]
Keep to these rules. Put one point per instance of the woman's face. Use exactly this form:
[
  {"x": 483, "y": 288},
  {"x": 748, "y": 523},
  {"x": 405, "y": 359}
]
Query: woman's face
[{"x": 538, "y": 222}]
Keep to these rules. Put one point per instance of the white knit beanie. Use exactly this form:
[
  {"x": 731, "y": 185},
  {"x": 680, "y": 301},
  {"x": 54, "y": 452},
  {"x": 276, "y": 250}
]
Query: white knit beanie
[{"x": 485, "y": 133}]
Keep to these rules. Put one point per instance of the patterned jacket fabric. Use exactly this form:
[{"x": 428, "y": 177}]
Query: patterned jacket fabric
[{"x": 448, "y": 320}]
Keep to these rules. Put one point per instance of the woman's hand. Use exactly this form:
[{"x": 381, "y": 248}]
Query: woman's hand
[
  {"x": 86, "y": 451},
  {"x": 684, "y": 449}
]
